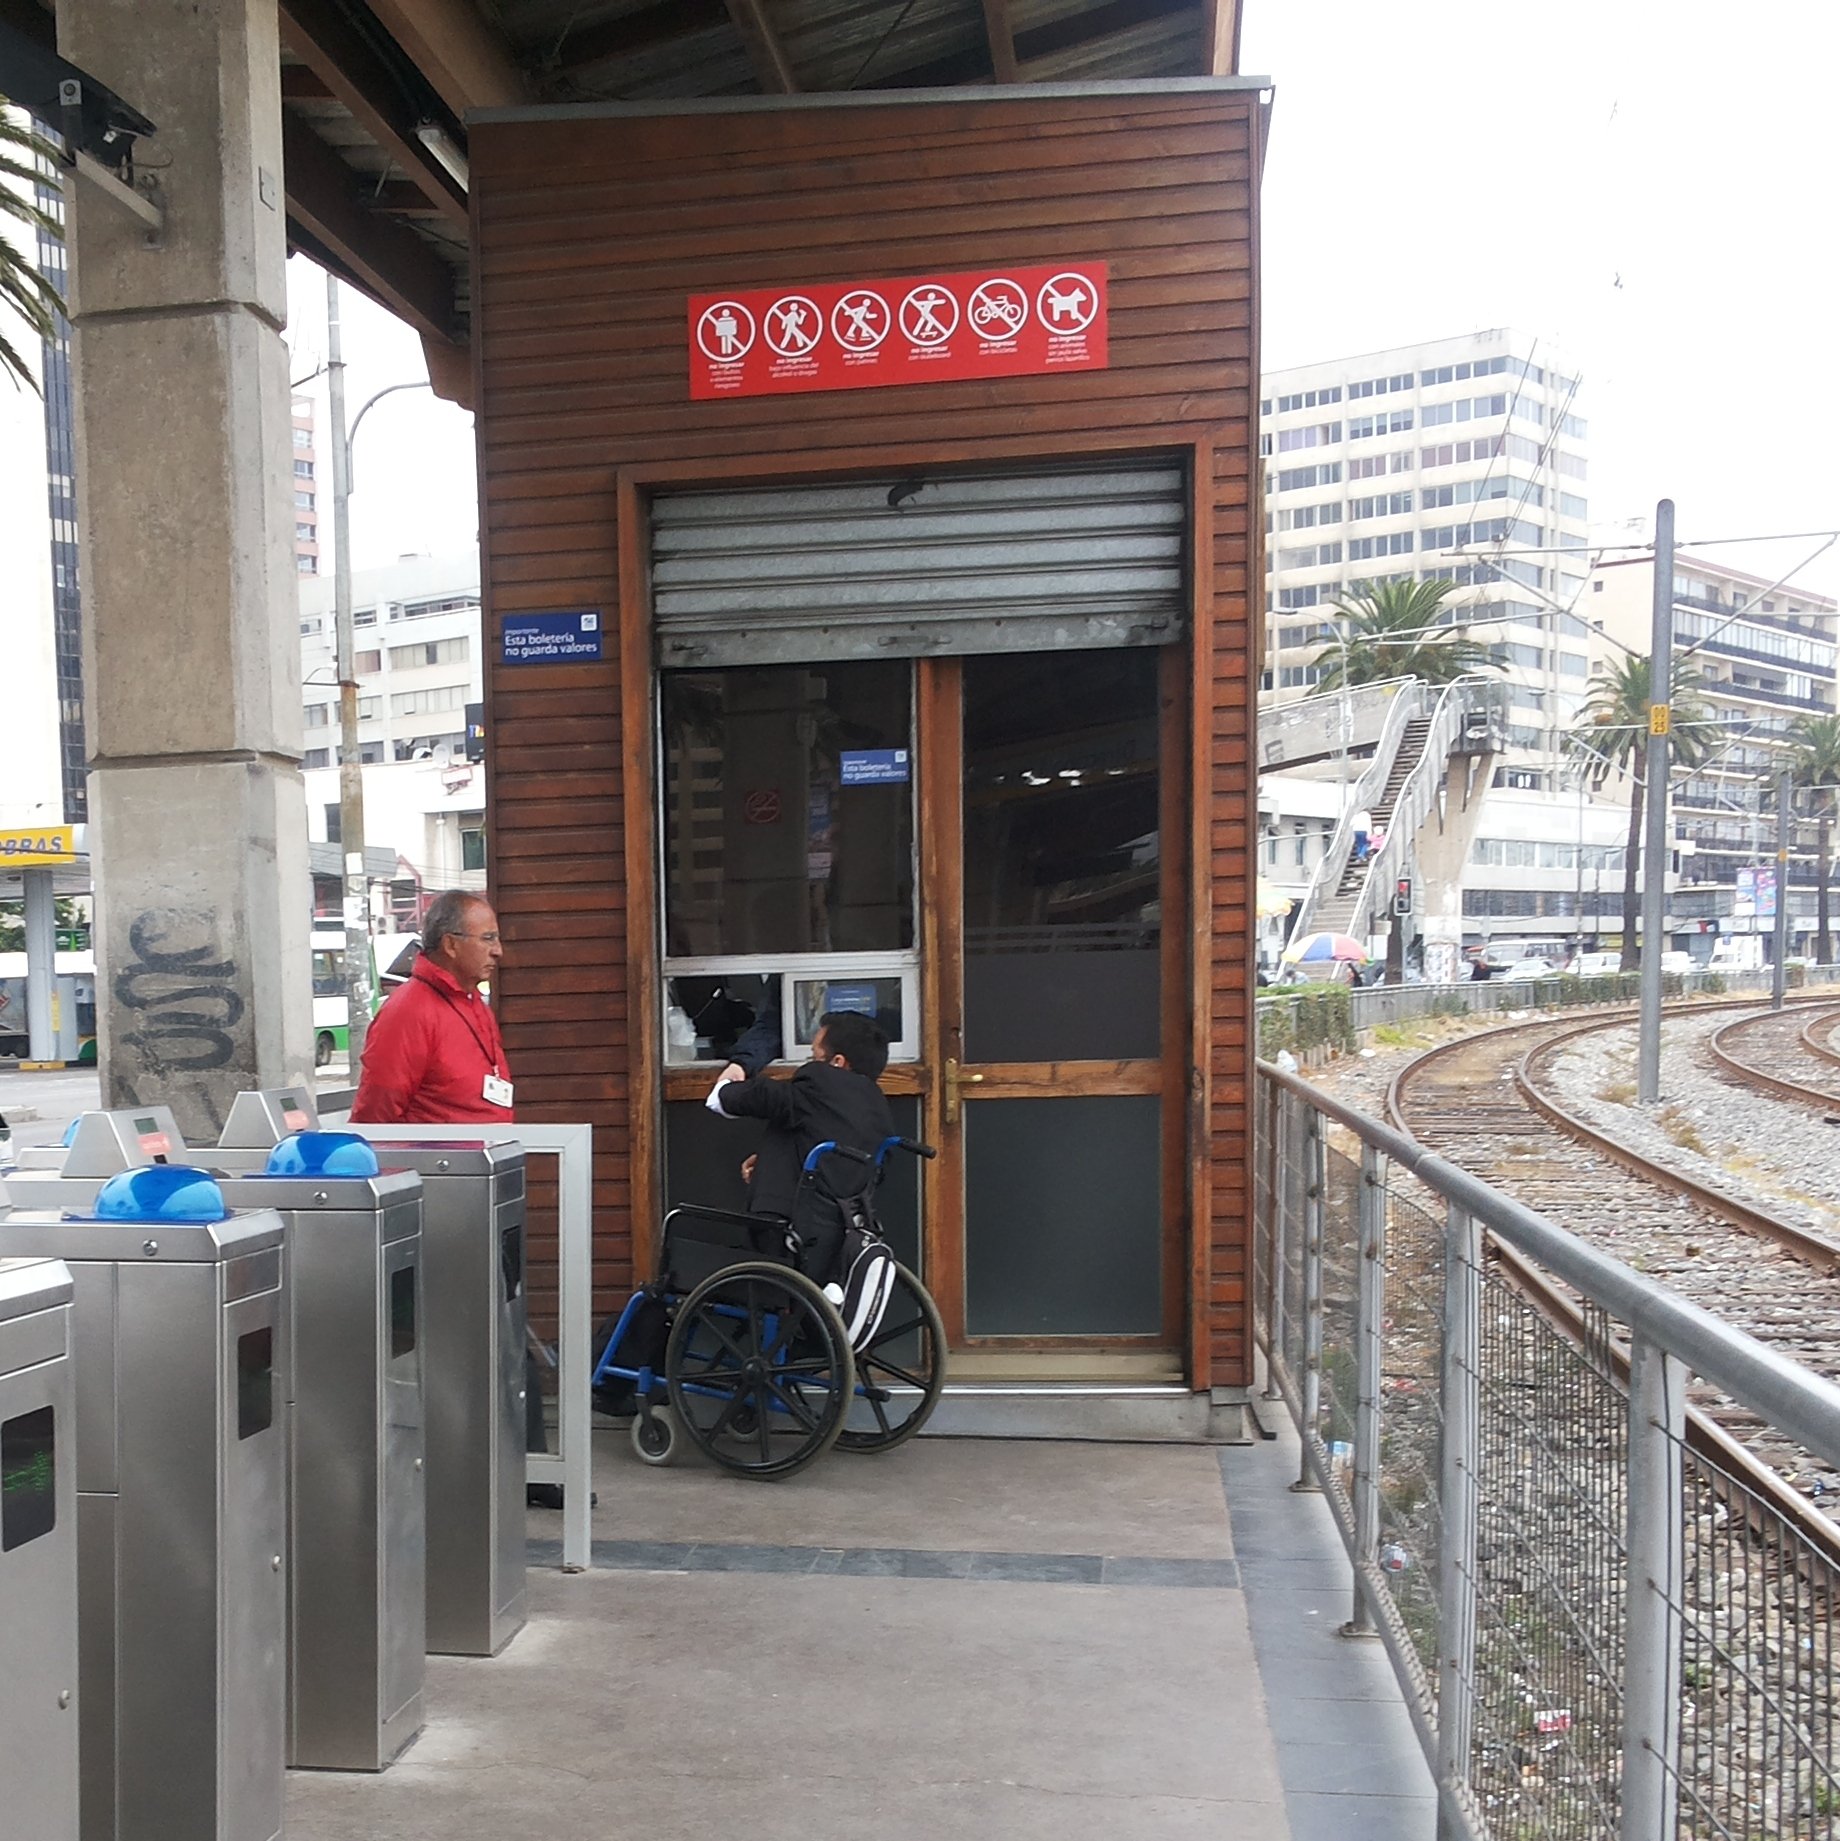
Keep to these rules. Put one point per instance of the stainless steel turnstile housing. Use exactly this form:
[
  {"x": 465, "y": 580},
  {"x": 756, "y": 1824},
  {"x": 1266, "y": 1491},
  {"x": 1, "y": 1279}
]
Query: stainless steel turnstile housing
[
  {"x": 353, "y": 1395},
  {"x": 356, "y": 1518},
  {"x": 38, "y": 1553},
  {"x": 179, "y": 1337},
  {"x": 472, "y": 1380}
]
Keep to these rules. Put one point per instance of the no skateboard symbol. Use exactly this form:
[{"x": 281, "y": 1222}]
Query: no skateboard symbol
[
  {"x": 1067, "y": 303},
  {"x": 999, "y": 309},
  {"x": 725, "y": 332},
  {"x": 929, "y": 315},
  {"x": 860, "y": 320},
  {"x": 793, "y": 326}
]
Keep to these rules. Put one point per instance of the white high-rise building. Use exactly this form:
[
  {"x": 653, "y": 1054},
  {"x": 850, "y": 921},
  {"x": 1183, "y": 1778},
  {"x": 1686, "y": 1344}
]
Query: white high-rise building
[
  {"x": 1457, "y": 459},
  {"x": 417, "y": 649}
]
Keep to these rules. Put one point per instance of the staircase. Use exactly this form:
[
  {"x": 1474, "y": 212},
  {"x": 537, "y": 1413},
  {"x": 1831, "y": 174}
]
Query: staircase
[
  {"x": 1423, "y": 727},
  {"x": 1337, "y": 913}
]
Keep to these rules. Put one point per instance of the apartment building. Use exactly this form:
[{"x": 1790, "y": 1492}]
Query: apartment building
[
  {"x": 1459, "y": 460},
  {"x": 1767, "y": 658},
  {"x": 306, "y": 489},
  {"x": 417, "y": 636}
]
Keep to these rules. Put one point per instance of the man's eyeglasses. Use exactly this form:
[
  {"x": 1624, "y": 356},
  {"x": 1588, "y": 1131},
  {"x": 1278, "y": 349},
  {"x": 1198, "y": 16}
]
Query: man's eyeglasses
[{"x": 486, "y": 939}]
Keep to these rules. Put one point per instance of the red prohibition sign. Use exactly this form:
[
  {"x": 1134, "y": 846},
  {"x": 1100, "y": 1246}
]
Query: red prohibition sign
[{"x": 761, "y": 807}]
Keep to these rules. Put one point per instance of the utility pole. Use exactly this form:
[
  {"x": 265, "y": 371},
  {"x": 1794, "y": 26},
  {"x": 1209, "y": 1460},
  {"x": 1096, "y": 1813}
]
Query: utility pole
[
  {"x": 351, "y": 770},
  {"x": 1655, "y": 847},
  {"x": 1779, "y": 970}
]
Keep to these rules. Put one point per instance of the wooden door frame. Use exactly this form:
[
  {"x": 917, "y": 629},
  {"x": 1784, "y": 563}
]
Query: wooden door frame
[{"x": 649, "y": 1083}]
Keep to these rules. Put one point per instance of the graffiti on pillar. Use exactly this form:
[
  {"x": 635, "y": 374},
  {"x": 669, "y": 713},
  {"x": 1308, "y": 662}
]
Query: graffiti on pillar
[{"x": 181, "y": 986}]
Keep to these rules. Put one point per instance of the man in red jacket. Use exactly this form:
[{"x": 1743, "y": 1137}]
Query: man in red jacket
[{"x": 433, "y": 1055}]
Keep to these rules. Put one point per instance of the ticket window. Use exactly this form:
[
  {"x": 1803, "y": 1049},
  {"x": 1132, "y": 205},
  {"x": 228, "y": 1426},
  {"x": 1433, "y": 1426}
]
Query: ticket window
[{"x": 787, "y": 796}]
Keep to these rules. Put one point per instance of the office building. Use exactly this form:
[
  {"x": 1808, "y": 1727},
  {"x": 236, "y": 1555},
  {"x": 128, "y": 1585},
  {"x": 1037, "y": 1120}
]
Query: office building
[
  {"x": 1457, "y": 459},
  {"x": 1766, "y": 659},
  {"x": 416, "y": 630},
  {"x": 306, "y": 489}
]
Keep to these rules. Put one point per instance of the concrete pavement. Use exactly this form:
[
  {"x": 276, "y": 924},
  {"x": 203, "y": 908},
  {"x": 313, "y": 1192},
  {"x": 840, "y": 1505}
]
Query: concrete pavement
[{"x": 1038, "y": 1641}]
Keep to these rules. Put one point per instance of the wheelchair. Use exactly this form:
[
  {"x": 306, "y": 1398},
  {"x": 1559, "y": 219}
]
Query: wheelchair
[{"x": 737, "y": 1348}]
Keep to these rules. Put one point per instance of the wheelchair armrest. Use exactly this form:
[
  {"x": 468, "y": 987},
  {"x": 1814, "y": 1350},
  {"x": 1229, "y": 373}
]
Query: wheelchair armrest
[{"x": 727, "y": 1217}]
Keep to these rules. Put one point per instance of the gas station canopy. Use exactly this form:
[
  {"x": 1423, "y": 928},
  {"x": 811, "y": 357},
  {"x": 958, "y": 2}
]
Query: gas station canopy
[{"x": 63, "y": 849}]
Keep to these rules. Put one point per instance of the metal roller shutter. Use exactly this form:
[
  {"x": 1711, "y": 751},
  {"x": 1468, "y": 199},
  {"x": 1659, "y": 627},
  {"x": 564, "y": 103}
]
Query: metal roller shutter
[{"x": 1076, "y": 557}]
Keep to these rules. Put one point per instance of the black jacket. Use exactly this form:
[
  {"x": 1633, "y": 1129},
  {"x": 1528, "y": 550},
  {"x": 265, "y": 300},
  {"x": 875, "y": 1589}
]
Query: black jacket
[{"x": 818, "y": 1102}]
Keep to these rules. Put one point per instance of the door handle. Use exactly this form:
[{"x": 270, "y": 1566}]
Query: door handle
[{"x": 954, "y": 1080}]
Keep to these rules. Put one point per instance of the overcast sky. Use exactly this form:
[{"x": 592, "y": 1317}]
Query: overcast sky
[{"x": 1650, "y": 188}]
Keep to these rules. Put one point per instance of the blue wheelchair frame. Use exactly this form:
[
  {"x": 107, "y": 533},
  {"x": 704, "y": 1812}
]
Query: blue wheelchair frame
[{"x": 648, "y": 1382}]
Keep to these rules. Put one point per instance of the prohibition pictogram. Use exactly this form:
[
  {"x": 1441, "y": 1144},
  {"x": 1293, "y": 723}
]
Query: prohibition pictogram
[
  {"x": 725, "y": 332},
  {"x": 998, "y": 308},
  {"x": 1067, "y": 303},
  {"x": 929, "y": 314},
  {"x": 860, "y": 320},
  {"x": 794, "y": 326}
]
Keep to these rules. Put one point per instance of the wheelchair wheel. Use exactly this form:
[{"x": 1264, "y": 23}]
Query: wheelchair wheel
[
  {"x": 759, "y": 1370},
  {"x": 900, "y": 1371},
  {"x": 656, "y": 1439}
]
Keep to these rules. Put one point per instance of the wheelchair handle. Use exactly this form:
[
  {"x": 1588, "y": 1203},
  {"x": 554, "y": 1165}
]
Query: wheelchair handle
[
  {"x": 911, "y": 1145},
  {"x": 831, "y": 1148}
]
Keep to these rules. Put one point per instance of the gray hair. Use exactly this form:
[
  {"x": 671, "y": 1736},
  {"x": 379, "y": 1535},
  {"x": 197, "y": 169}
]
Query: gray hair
[{"x": 448, "y": 915}]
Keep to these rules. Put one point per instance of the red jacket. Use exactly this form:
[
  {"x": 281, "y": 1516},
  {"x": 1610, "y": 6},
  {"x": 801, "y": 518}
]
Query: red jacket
[{"x": 427, "y": 1056}]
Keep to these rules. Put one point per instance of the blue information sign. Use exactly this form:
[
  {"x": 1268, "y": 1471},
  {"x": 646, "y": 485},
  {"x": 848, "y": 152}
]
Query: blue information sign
[
  {"x": 875, "y": 767},
  {"x": 551, "y": 639}
]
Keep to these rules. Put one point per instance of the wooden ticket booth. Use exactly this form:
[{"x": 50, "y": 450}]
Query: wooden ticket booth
[{"x": 867, "y": 508}]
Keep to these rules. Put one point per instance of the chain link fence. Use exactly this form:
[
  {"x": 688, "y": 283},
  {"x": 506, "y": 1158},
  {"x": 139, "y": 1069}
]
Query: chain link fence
[{"x": 1604, "y": 1621}]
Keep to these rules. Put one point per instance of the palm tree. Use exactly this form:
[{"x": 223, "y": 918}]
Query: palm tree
[
  {"x": 24, "y": 158},
  {"x": 1615, "y": 731},
  {"x": 1814, "y": 762},
  {"x": 1392, "y": 634}
]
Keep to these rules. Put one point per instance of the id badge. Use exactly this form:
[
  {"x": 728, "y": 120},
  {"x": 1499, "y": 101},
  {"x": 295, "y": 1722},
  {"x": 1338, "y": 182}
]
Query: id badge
[{"x": 497, "y": 1092}]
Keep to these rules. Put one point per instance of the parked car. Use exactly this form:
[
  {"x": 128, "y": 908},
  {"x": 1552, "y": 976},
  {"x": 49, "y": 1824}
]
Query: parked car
[
  {"x": 1524, "y": 971},
  {"x": 1679, "y": 963},
  {"x": 1595, "y": 964}
]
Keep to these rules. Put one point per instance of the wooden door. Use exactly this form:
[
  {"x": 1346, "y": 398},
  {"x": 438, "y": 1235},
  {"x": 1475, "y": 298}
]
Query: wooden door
[{"x": 1054, "y": 877}]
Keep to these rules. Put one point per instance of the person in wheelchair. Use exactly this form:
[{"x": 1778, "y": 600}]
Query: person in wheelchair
[{"x": 834, "y": 1097}]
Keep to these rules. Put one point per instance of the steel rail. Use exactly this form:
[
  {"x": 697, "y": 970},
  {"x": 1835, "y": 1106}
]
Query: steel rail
[
  {"x": 1749, "y": 1473},
  {"x": 1720, "y": 1045},
  {"x": 1819, "y": 1044},
  {"x": 1818, "y": 1251}
]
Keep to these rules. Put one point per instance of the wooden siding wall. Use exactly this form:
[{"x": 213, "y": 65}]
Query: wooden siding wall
[{"x": 589, "y": 234}]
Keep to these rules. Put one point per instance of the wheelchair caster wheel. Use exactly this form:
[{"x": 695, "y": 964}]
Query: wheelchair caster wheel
[{"x": 655, "y": 1437}]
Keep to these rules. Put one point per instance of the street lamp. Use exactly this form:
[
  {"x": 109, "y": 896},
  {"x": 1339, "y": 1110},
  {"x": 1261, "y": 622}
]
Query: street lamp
[{"x": 357, "y": 895}]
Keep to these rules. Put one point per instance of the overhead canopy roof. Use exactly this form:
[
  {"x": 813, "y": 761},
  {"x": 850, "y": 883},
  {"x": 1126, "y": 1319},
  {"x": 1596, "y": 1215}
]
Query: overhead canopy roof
[{"x": 376, "y": 92}]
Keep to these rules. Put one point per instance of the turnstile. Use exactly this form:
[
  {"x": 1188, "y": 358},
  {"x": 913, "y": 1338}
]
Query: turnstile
[
  {"x": 38, "y": 1553},
  {"x": 473, "y": 1383},
  {"x": 356, "y": 1507},
  {"x": 353, "y": 1394},
  {"x": 179, "y": 1335}
]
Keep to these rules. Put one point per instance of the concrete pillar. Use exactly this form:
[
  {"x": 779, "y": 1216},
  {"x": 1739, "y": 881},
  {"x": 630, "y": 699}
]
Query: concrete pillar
[
  {"x": 191, "y": 650},
  {"x": 41, "y": 961}
]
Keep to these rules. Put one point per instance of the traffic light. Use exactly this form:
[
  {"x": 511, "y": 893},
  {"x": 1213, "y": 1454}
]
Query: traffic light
[{"x": 1402, "y": 897}]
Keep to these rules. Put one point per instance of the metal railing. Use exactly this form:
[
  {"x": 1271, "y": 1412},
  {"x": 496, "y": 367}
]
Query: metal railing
[
  {"x": 1387, "y": 1005},
  {"x": 1450, "y": 714},
  {"x": 1600, "y": 1627},
  {"x": 1315, "y": 727}
]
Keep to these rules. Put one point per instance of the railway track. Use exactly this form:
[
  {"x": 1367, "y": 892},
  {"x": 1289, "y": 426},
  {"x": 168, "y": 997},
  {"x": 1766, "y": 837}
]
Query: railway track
[
  {"x": 1486, "y": 1103},
  {"x": 1783, "y": 1052}
]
